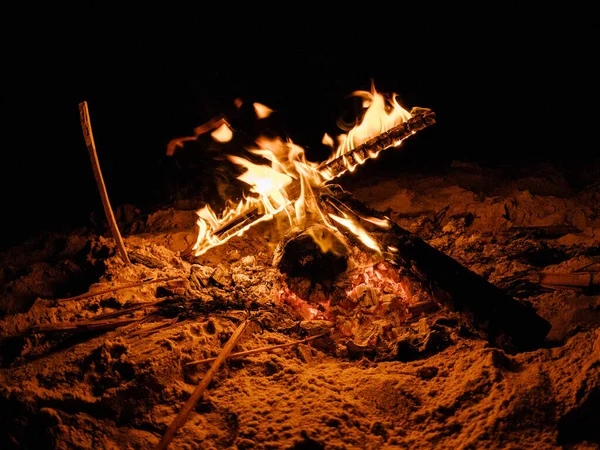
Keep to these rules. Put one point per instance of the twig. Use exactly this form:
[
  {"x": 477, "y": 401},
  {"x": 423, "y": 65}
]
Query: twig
[
  {"x": 117, "y": 288},
  {"x": 576, "y": 279},
  {"x": 191, "y": 403},
  {"x": 87, "y": 325},
  {"x": 262, "y": 349},
  {"x": 84, "y": 117}
]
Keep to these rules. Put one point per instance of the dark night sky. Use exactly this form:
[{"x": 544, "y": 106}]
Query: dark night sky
[{"x": 504, "y": 91}]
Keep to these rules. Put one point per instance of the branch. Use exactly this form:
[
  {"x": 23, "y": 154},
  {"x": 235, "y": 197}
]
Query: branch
[
  {"x": 116, "y": 288},
  {"x": 84, "y": 117},
  {"x": 181, "y": 418},
  {"x": 262, "y": 349}
]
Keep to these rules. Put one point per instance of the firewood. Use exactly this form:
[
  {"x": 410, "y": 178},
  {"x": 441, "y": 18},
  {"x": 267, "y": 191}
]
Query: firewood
[
  {"x": 581, "y": 279},
  {"x": 484, "y": 308},
  {"x": 260, "y": 350},
  {"x": 549, "y": 231},
  {"x": 334, "y": 168},
  {"x": 86, "y": 125},
  {"x": 87, "y": 325},
  {"x": 117, "y": 288},
  {"x": 181, "y": 418}
]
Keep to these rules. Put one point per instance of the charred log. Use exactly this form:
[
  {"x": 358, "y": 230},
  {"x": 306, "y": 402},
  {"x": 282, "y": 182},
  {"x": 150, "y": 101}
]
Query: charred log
[
  {"x": 302, "y": 254},
  {"x": 484, "y": 308}
]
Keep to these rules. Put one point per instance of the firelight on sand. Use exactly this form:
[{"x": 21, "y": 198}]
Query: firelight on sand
[{"x": 289, "y": 183}]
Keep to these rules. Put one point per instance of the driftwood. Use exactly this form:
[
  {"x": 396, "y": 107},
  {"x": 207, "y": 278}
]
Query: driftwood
[
  {"x": 108, "y": 321},
  {"x": 261, "y": 350},
  {"x": 86, "y": 126},
  {"x": 181, "y": 418},
  {"x": 117, "y": 288},
  {"x": 548, "y": 232},
  {"x": 574, "y": 279},
  {"x": 483, "y": 307}
]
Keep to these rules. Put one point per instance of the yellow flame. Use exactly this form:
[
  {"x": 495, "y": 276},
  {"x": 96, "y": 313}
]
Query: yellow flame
[
  {"x": 358, "y": 231},
  {"x": 261, "y": 110},
  {"x": 287, "y": 181},
  {"x": 381, "y": 114},
  {"x": 223, "y": 133}
]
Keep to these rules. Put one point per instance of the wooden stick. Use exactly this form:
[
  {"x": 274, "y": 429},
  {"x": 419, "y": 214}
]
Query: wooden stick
[
  {"x": 547, "y": 231},
  {"x": 195, "y": 397},
  {"x": 259, "y": 350},
  {"x": 86, "y": 125},
  {"x": 87, "y": 325},
  {"x": 576, "y": 279},
  {"x": 116, "y": 288}
]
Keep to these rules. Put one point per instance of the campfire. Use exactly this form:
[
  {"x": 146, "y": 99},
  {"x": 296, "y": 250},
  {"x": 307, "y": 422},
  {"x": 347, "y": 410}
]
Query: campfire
[{"x": 301, "y": 314}]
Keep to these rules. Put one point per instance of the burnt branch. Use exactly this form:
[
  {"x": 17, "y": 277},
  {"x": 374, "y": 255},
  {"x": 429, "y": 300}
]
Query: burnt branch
[{"x": 422, "y": 118}]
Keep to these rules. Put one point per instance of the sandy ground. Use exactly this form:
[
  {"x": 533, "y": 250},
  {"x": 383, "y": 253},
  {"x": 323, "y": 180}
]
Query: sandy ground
[{"x": 111, "y": 371}]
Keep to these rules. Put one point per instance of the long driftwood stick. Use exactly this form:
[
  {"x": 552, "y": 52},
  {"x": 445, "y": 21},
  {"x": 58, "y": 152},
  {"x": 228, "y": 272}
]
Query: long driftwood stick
[
  {"x": 260, "y": 350},
  {"x": 116, "y": 288},
  {"x": 84, "y": 116},
  {"x": 195, "y": 397}
]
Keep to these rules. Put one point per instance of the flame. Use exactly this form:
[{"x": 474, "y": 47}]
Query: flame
[
  {"x": 358, "y": 231},
  {"x": 286, "y": 182},
  {"x": 223, "y": 133},
  {"x": 381, "y": 114},
  {"x": 261, "y": 110}
]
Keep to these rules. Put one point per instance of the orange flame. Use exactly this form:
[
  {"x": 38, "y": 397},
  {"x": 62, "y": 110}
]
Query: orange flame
[{"x": 288, "y": 183}]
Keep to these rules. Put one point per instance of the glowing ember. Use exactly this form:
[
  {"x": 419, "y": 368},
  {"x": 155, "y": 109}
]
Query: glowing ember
[
  {"x": 288, "y": 183},
  {"x": 374, "y": 289}
]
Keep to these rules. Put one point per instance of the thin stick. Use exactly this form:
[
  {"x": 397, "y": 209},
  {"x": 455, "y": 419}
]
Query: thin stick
[
  {"x": 116, "y": 288},
  {"x": 84, "y": 116},
  {"x": 262, "y": 349},
  {"x": 88, "y": 325},
  {"x": 191, "y": 403}
]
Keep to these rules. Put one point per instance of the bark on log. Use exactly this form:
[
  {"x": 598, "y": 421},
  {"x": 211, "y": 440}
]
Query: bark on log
[{"x": 487, "y": 310}]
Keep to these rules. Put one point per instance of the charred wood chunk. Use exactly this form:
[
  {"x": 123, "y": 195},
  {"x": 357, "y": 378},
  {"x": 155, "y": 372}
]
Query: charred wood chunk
[
  {"x": 484, "y": 308},
  {"x": 200, "y": 275},
  {"x": 316, "y": 253},
  {"x": 147, "y": 260},
  {"x": 221, "y": 276},
  {"x": 489, "y": 311}
]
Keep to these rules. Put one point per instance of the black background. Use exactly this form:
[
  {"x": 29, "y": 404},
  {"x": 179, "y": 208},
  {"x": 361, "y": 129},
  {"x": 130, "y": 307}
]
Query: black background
[{"x": 507, "y": 89}]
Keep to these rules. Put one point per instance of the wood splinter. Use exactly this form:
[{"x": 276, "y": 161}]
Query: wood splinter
[
  {"x": 262, "y": 349},
  {"x": 575, "y": 279},
  {"x": 84, "y": 116},
  {"x": 118, "y": 288},
  {"x": 181, "y": 418}
]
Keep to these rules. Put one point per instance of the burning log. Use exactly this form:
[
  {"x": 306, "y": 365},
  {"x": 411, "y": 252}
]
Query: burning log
[
  {"x": 335, "y": 167},
  {"x": 340, "y": 165},
  {"x": 484, "y": 308}
]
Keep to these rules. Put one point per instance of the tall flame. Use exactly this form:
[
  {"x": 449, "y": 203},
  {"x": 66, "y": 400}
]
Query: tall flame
[{"x": 287, "y": 181}]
